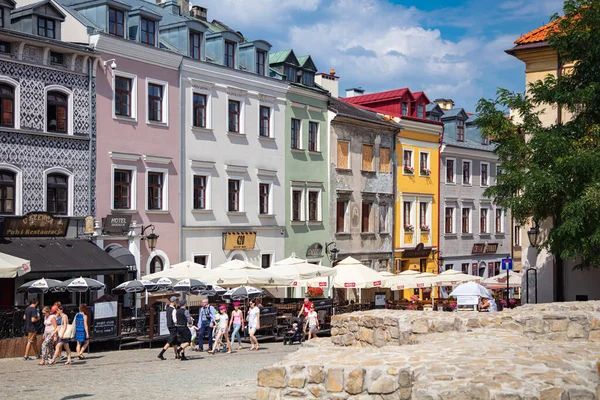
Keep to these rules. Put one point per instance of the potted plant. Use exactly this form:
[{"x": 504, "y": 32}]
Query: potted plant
[
  {"x": 315, "y": 292},
  {"x": 424, "y": 228},
  {"x": 408, "y": 228},
  {"x": 409, "y": 170},
  {"x": 425, "y": 172}
]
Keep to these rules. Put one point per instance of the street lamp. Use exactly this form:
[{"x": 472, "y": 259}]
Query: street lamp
[
  {"x": 152, "y": 238},
  {"x": 332, "y": 253},
  {"x": 533, "y": 233}
]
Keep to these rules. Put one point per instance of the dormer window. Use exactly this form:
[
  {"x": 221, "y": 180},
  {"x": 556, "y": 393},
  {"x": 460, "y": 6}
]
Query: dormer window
[
  {"x": 485, "y": 140},
  {"x": 405, "y": 109},
  {"x": 195, "y": 42},
  {"x": 421, "y": 111},
  {"x": 460, "y": 130},
  {"x": 290, "y": 73},
  {"x": 261, "y": 57},
  {"x": 46, "y": 28},
  {"x": 308, "y": 78},
  {"x": 148, "y": 32},
  {"x": 229, "y": 54},
  {"x": 116, "y": 22}
]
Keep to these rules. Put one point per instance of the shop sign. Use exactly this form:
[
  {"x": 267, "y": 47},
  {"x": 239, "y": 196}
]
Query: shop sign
[
  {"x": 418, "y": 252},
  {"x": 315, "y": 250},
  {"x": 116, "y": 224},
  {"x": 491, "y": 248},
  {"x": 239, "y": 240},
  {"x": 481, "y": 248},
  {"x": 89, "y": 225},
  {"x": 35, "y": 224},
  {"x": 478, "y": 248}
]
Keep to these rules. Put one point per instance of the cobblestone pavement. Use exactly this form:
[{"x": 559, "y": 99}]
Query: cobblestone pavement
[{"x": 138, "y": 374}]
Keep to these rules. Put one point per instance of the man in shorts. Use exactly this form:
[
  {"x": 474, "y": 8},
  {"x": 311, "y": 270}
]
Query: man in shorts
[
  {"x": 184, "y": 322},
  {"x": 172, "y": 325},
  {"x": 305, "y": 308},
  {"x": 32, "y": 315}
]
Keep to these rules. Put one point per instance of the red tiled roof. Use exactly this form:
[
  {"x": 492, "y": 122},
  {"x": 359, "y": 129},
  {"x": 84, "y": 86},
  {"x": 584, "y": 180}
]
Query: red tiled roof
[
  {"x": 538, "y": 35},
  {"x": 399, "y": 116},
  {"x": 375, "y": 97},
  {"x": 417, "y": 95}
]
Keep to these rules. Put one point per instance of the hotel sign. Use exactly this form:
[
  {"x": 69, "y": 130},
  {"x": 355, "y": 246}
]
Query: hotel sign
[
  {"x": 239, "y": 240},
  {"x": 35, "y": 224},
  {"x": 116, "y": 224},
  {"x": 481, "y": 248}
]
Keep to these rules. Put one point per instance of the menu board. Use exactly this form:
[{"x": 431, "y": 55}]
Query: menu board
[
  {"x": 105, "y": 320},
  {"x": 163, "y": 328}
]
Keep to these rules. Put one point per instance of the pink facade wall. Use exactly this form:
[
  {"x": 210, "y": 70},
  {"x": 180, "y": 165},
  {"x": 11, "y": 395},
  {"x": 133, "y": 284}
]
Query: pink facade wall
[{"x": 139, "y": 137}]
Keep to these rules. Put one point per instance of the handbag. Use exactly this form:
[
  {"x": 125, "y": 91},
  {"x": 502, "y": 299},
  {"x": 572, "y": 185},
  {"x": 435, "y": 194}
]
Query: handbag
[{"x": 69, "y": 332}]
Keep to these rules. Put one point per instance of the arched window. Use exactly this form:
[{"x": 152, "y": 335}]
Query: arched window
[
  {"x": 7, "y": 192},
  {"x": 57, "y": 198},
  {"x": 57, "y": 112},
  {"x": 7, "y": 105},
  {"x": 156, "y": 265}
]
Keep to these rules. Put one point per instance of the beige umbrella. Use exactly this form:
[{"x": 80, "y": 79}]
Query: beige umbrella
[
  {"x": 302, "y": 270},
  {"x": 499, "y": 281},
  {"x": 239, "y": 264},
  {"x": 291, "y": 260},
  {"x": 352, "y": 274},
  {"x": 11, "y": 266},
  {"x": 452, "y": 277},
  {"x": 410, "y": 280},
  {"x": 183, "y": 270},
  {"x": 386, "y": 274},
  {"x": 238, "y": 273}
]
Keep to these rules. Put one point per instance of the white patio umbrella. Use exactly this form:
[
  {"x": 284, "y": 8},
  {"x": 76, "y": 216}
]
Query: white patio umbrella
[
  {"x": 499, "y": 281},
  {"x": 291, "y": 260},
  {"x": 80, "y": 285},
  {"x": 42, "y": 286},
  {"x": 387, "y": 274},
  {"x": 471, "y": 289},
  {"x": 243, "y": 273},
  {"x": 183, "y": 270},
  {"x": 410, "y": 280},
  {"x": 11, "y": 266},
  {"x": 189, "y": 285},
  {"x": 136, "y": 286},
  {"x": 352, "y": 274},
  {"x": 452, "y": 277},
  {"x": 302, "y": 270}
]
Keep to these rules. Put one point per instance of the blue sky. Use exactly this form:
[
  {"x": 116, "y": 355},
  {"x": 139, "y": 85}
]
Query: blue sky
[{"x": 450, "y": 49}]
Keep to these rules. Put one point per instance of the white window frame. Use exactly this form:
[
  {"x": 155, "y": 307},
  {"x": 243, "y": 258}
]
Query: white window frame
[
  {"x": 207, "y": 200},
  {"x": 241, "y": 202},
  {"x": 487, "y": 220},
  {"x": 385, "y": 228},
  {"x": 446, "y": 170},
  {"x": 271, "y": 253},
  {"x": 208, "y": 95},
  {"x": 69, "y": 93},
  {"x": 70, "y": 187},
  {"x": 301, "y": 137},
  {"x": 134, "y": 95},
  {"x": 462, "y": 166},
  {"x": 302, "y": 204},
  {"x": 208, "y": 258},
  {"x": 242, "y": 101},
  {"x": 412, "y": 201},
  {"x": 428, "y": 215},
  {"x": 165, "y": 102},
  {"x": 481, "y": 164},
  {"x": 262, "y": 181},
  {"x": 18, "y": 187},
  {"x": 165, "y": 189},
  {"x": 319, "y": 136},
  {"x": 453, "y": 229},
  {"x": 17, "y": 102},
  {"x": 346, "y": 202},
  {"x": 517, "y": 236},
  {"x": 412, "y": 158},
  {"x": 468, "y": 207},
  {"x": 501, "y": 220},
  {"x": 428, "y": 166},
  {"x": 133, "y": 186},
  {"x": 271, "y": 121},
  {"x": 319, "y": 205}
]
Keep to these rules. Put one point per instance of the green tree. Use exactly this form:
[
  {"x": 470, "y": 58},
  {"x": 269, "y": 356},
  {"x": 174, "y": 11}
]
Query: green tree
[{"x": 554, "y": 171}]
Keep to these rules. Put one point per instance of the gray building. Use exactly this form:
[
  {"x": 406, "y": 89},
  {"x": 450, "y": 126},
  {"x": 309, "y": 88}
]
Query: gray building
[
  {"x": 474, "y": 232},
  {"x": 362, "y": 178}
]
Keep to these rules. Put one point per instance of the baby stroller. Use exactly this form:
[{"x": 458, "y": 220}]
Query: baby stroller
[{"x": 294, "y": 334}]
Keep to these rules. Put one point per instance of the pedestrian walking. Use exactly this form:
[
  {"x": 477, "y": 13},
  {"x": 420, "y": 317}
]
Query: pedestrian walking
[
  {"x": 184, "y": 322},
  {"x": 63, "y": 341},
  {"x": 305, "y": 308},
  {"x": 82, "y": 333},
  {"x": 237, "y": 321},
  {"x": 253, "y": 324},
  {"x": 172, "y": 325},
  {"x": 50, "y": 328},
  {"x": 31, "y": 316},
  {"x": 222, "y": 329},
  {"x": 205, "y": 324},
  {"x": 312, "y": 322}
]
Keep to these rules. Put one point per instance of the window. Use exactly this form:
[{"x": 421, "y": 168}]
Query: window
[
  {"x": 234, "y": 116},
  {"x": 155, "y": 190},
  {"x": 199, "y": 104},
  {"x": 265, "y": 122},
  {"x": 460, "y": 130},
  {"x": 265, "y": 260},
  {"x": 261, "y": 57},
  {"x": 155, "y": 102},
  {"x": 290, "y": 73},
  {"x": 407, "y": 219},
  {"x": 466, "y": 220},
  {"x": 499, "y": 220},
  {"x": 342, "y": 155},
  {"x": 1, "y": 18},
  {"x": 7, "y": 192},
  {"x": 314, "y": 200},
  {"x": 313, "y": 136},
  {"x": 296, "y": 126},
  {"x": 485, "y": 140},
  {"x": 122, "y": 189},
  {"x": 156, "y": 264},
  {"x": 148, "y": 32},
  {"x": 229, "y": 54},
  {"x": 7, "y": 105},
  {"x": 424, "y": 163},
  {"x": 449, "y": 171},
  {"x": 449, "y": 220},
  {"x": 423, "y": 265},
  {"x": 448, "y": 267},
  {"x": 200, "y": 189},
  {"x": 264, "y": 190},
  {"x": 201, "y": 259},
  {"x": 56, "y": 58},
  {"x": 367, "y": 157},
  {"x": 116, "y": 20},
  {"x": 423, "y": 217},
  {"x": 234, "y": 195},
  {"x": 340, "y": 222},
  {"x": 405, "y": 109},
  {"x": 464, "y": 268},
  {"x": 57, "y": 111},
  {"x": 484, "y": 174},
  {"x": 57, "y": 188},
  {"x": 517, "y": 236},
  {"x": 384, "y": 160},
  {"x": 383, "y": 218},
  {"x": 421, "y": 111},
  {"x": 195, "y": 45},
  {"x": 483, "y": 228},
  {"x": 46, "y": 28},
  {"x": 366, "y": 217},
  {"x": 296, "y": 205},
  {"x": 497, "y": 265},
  {"x": 4, "y": 46},
  {"x": 407, "y": 162},
  {"x": 466, "y": 172},
  {"x": 308, "y": 78},
  {"x": 123, "y": 96}
]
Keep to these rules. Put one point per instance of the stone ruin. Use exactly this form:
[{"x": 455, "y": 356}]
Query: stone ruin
[{"x": 542, "y": 352}]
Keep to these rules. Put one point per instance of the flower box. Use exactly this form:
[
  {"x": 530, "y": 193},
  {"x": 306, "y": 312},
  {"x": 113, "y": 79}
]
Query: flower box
[
  {"x": 409, "y": 228},
  {"x": 425, "y": 172},
  {"x": 409, "y": 170},
  {"x": 424, "y": 228}
]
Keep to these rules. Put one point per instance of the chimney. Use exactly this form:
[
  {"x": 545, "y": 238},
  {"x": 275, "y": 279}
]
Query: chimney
[
  {"x": 199, "y": 12},
  {"x": 357, "y": 91},
  {"x": 445, "y": 104},
  {"x": 328, "y": 82},
  {"x": 175, "y": 7},
  {"x": 184, "y": 6}
]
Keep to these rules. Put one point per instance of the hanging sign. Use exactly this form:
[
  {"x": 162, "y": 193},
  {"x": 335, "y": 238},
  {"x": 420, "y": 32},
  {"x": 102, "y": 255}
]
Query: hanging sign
[
  {"x": 315, "y": 250},
  {"x": 239, "y": 240},
  {"x": 116, "y": 224},
  {"x": 35, "y": 224}
]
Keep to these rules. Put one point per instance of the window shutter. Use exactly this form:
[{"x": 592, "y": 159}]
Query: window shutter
[
  {"x": 367, "y": 157},
  {"x": 384, "y": 159},
  {"x": 343, "y": 155}
]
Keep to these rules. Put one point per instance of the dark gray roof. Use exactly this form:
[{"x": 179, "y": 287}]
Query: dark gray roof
[
  {"x": 455, "y": 113},
  {"x": 347, "y": 110},
  {"x": 472, "y": 140}
]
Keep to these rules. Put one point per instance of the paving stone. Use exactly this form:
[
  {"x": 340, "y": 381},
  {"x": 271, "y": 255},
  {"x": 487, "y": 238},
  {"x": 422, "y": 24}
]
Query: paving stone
[
  {"x": 335, "y": 380},
  {"x": 355, "y": 381},
  {"x": 272, "y": 377}
]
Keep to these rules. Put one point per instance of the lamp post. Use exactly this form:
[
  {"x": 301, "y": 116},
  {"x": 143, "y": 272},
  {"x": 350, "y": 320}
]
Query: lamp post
[
  {"x": 332, "y": 252},
  {"x": 532, "y": 235},
  {"x": 152, "y": 238}
]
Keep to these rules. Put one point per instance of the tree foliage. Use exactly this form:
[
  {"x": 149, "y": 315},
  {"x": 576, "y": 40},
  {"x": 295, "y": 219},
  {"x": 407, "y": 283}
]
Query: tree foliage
[{"x": 554, "y": 171}]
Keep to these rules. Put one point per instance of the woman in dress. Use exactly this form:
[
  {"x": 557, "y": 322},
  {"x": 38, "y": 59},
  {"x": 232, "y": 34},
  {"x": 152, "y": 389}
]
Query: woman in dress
[
  {"x": 49, "y": 333},
  {"x": 237, "y": 320},
  {"x": 82, "y": 334},
  {"x": 63, "y": 342},
  {"x": 253, "y": 324},
  {"x": 312, "y": 322},
  {"x": 222, "y": 330}
]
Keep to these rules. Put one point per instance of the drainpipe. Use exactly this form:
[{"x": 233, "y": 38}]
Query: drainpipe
[
  {"x": 90, "y": 138},
  {"x": 182, "y": 157},
  {"x": 395, "y": 195},
  {"x": 440, "y": 202}
]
